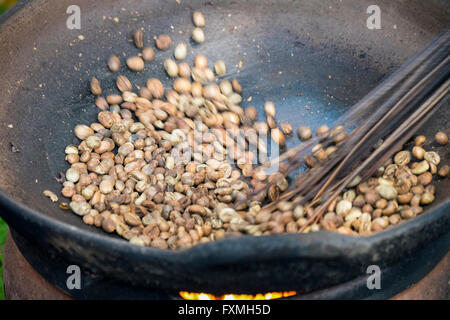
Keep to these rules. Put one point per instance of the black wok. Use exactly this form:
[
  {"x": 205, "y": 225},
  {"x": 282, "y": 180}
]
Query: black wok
[{"x": 289, "y": 46}]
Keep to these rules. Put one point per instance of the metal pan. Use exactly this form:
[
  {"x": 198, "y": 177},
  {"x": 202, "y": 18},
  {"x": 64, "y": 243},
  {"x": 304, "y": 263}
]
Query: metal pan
[{"x": 321, "y": 49}]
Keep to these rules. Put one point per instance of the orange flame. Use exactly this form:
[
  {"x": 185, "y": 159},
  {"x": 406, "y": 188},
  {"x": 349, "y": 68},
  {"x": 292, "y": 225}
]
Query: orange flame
[{"x": 260, "y": 296}]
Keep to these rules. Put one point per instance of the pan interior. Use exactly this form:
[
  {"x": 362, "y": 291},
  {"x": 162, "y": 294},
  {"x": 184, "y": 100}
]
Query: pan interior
[{"x": 314, "y": 59}]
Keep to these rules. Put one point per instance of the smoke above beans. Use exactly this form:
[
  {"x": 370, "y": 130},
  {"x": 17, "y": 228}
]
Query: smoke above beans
[{"x": 175, "y": 167}]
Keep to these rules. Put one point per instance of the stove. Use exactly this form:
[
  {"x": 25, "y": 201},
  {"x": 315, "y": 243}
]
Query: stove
[{"x": 424, "y": 275}]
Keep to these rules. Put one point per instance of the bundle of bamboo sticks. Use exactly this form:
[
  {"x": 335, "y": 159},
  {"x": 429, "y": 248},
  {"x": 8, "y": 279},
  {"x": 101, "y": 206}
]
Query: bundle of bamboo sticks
[{"x": 387, "y": 117}]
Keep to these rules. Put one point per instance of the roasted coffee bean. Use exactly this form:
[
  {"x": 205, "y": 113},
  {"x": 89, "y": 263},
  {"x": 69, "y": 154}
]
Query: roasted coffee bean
[
  {"x": 135, "y": 63},
  {"x": 95, "y": 87},
  {"x": 155, "y": 87},
  {"x": 420, "y": 141},
  {"x": 198, "y": 35},
  {"x": 278, "y": 136},
  {"x": 432, "y": 157},
  {"x": 198, "y": 18},
  {"x": 148, "y": 54},
  {"x": 441, "y": 138},
  {"x": 323, "y": 131},
  {"x": 286, "y": 128},
  {"x": 304, "y": 133},
  {"x": 114, "y": 63},
  {"x": 163, "y": 42},
  {"x": 180, "y": 51},
  {"x": 123, "y": 84},
  {"x": 138, "y": 39},
  {"x": 220, "y": 68},
  {"x": 444, "y": 171},
  {"x": 402, "y": 158}
]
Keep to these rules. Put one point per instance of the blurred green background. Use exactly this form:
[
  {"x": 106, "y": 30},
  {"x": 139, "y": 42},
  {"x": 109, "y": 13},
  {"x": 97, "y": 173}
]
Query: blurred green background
[
  {"x": 3, "y": 230},
  {"x": 4, "y": 5}
]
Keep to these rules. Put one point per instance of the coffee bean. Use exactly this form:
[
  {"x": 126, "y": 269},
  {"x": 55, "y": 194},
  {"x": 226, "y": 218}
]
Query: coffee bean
[{"x": 163, "y": 42}]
